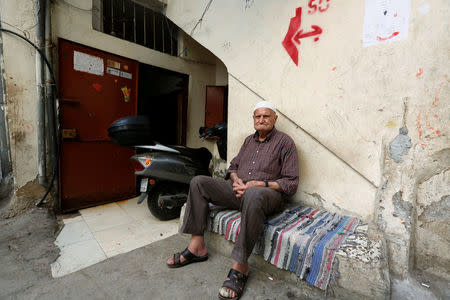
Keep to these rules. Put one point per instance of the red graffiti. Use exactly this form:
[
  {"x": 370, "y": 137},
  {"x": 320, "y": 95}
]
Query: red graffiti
[
  {"x": 97, "y": 86},
  {"x": 419, "y": 130},
  {"x": 387, "y": 38},
  {"x": 426, "y": 129},
  {"x": 321, "y": 6},
  {"x": 300, "y": 35},
  {"x": 294, "y": 34},
  {"x": 419, "y": 73}
]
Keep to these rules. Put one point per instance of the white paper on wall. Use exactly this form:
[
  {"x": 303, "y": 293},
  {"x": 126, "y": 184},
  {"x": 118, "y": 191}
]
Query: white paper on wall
[
  {"x": 385, "y": 21},
  {"x": 87, "y": 63}
]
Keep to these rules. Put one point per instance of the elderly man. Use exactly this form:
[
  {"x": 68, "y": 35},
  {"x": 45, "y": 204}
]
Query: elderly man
[{"x": 258, "y": 181}]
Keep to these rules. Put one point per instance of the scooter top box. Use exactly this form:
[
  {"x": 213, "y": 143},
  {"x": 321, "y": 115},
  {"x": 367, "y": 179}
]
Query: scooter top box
[{"x": 131, "y": 131}]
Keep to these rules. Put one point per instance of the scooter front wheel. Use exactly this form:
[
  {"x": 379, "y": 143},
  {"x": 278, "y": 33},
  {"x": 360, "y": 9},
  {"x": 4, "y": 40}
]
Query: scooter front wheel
[{"x": 165, "y": 188}]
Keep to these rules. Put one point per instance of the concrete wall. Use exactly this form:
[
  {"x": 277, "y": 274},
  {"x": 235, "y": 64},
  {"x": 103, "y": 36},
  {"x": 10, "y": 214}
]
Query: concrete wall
[
  {"x": 348, "y": 97},
  {"x": 433, "y": 225},
  {"x": 344, "y": 104},
  {"x": 19, "y": 59},
  {"x": 74, "y": 24}
]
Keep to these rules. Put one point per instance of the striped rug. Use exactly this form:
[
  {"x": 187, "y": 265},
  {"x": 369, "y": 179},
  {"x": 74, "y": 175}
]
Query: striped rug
[{"x": 302, "y": 240}]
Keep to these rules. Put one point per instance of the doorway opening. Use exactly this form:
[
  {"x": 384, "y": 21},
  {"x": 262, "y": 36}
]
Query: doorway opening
[{"x": 163, "y": 97}]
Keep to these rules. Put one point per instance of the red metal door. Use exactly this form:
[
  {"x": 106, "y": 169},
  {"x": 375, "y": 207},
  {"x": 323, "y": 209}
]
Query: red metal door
[
  {"x": 96, "y": 88},
  {"x": 215, "y": 106}
]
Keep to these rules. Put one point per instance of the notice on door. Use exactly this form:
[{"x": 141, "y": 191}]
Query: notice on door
[{"x": 87, "y": 63}]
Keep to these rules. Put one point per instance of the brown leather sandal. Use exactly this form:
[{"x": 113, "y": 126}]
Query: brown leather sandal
[
  {"x": 189, "y": 258},
  {"x": 236, "y": 282}
]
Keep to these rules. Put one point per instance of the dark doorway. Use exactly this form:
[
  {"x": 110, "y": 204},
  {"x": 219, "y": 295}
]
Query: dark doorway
[{"x": 163, "y": 98}]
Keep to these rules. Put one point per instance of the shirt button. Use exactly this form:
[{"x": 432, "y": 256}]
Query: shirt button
[{"x": 249, "y": 173}]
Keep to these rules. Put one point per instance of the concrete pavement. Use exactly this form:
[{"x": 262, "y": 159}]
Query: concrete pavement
[{"x": 26, "y": 255}]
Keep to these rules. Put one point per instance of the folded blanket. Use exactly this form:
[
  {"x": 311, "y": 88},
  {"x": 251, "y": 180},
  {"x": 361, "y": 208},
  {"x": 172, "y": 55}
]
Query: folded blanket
[{"x": 302, "y": 240}]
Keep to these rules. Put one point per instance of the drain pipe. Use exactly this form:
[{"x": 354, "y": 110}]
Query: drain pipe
[
  {"x": 39, "y": 16},
  {"x": 50, "y": 104},
  {"x": 6, "y": 178}
]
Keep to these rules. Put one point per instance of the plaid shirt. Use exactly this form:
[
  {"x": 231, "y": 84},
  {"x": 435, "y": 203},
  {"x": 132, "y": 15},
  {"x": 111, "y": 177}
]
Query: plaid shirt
[{"x": 274, "y": 159}]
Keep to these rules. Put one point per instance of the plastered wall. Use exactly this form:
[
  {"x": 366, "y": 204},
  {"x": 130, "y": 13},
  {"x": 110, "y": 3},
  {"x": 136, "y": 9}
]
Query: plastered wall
[
  {"x": 19, "y": 59},
  {"x": 73, "y": 22},
  {"x": 351, "y": 99}
]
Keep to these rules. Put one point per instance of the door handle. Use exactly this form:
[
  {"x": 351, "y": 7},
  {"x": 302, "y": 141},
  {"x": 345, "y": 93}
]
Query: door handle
[
  {"x": 69, "y": 101},
  {"x": 69, "y": 133}
]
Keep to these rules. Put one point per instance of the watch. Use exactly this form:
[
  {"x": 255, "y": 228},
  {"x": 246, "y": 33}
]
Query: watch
[{"x": 267, "y": 183}]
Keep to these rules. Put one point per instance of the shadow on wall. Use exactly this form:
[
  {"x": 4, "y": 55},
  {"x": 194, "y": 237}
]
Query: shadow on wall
[{"x": 6, "y": 191}]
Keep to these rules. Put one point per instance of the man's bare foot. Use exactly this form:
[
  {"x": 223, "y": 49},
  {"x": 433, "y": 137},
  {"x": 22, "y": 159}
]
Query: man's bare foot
[{"x": 242, "y": 268}]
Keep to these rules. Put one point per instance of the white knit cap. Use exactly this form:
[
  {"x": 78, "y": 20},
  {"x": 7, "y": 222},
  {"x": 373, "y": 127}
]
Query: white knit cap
[{"x": 264, "y": 104}]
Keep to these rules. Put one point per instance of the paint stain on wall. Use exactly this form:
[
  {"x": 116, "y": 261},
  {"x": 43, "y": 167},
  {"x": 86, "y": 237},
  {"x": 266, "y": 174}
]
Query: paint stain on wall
[
  {"x": 419, "y": 130},
  {"x": 248, "y": 3},
  {"x": 226, "y": 46},
  {"x": 419, "y": 73},
  {"x": 426, "y": 117},
  {"x": 18, "y": 136},
  {"x": 391, "y": 124}
]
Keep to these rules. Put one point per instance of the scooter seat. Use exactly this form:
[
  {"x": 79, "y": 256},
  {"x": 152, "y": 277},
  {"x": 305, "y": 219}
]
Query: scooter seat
[
  {"x": 193, "y": 152},
  {"x": 202, "y": 154}
]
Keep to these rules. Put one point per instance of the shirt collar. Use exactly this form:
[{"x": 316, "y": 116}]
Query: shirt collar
[{"x": 268, "y": 137}]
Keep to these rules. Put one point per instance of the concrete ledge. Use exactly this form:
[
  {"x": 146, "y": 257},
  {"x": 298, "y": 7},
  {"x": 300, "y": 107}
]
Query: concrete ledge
[{"x": 363, "y": 271}]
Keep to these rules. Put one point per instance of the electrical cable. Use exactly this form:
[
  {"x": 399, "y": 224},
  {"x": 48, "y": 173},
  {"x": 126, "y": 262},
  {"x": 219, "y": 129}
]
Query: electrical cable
[
  {"x": 26, "y": 33},
  {"x": 201, "y": 18},
  {"x": 37, "y": 49},
  {"x": 52, "y": 74},
  {"x": 198, "y": 22}
]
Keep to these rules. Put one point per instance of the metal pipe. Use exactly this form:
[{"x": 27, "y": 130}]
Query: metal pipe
[
  {"x": 39, "y": 16},
  {"x": 50, "y": 103},
  {"x": 5, "y": 150},
  {"x": 6, "y": 178}
]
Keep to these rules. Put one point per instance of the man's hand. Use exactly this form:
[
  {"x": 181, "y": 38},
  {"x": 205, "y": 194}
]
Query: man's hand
[
  {"x": 241, "y": 188},
  {"x": 252, "y": 183},
  {"x": 238, "y": 185}
]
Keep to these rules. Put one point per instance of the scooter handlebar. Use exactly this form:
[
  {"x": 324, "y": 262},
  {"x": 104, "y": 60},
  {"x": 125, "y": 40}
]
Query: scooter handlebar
[{"x": 217, "y": 131}]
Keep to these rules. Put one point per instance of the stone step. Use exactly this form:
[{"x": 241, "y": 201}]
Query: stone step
[{"x": 362, "y": 267}]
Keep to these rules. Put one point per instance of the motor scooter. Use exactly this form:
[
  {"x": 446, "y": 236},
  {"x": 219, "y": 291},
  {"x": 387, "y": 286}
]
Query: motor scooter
[{"x": 165, "y": 170}]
